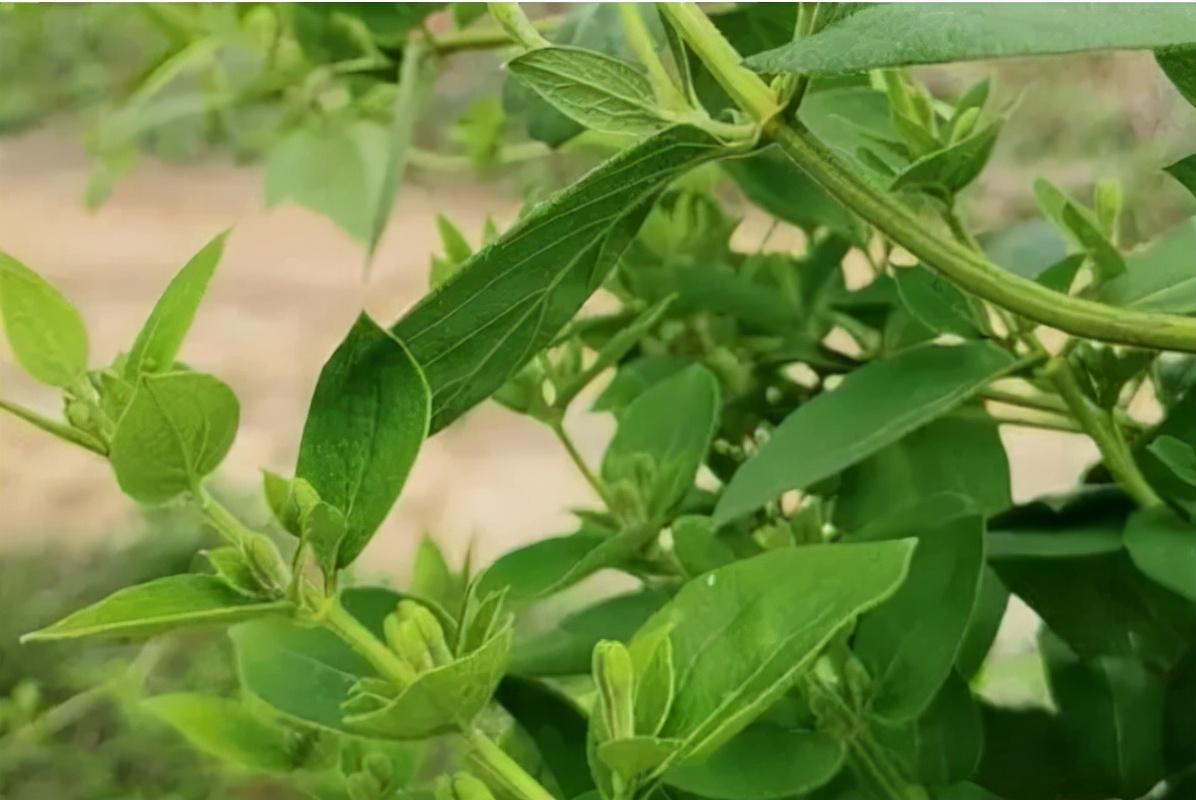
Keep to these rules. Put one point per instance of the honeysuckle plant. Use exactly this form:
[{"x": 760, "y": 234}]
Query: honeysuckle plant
[{"x": 806, "y": 478}]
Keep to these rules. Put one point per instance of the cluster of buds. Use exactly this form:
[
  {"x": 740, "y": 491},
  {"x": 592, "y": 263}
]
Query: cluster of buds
[
  {"x": 462, "y": 786},
  {"x": 373, "y": 779},
  {"x": 615, "y": 676},
  {"x": 417, "y": 637}
]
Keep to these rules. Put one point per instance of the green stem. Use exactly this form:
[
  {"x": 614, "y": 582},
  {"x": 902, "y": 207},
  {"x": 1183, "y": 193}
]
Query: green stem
[
  {"x": 517, "y": 26},
  {"x": 502, "y": 769},
  {"x": 336, "y": 619},
  {"x": 1034, "y": 419},
  {"x": 1100, "y": 426},
  {"x": 449, "y": 162},
  {"x": 59, "y": 429},
  {"x": 231, "y": 529},
  {"x": 579, "y": 461},
  {"x": 1040, "y": 402},
  {"x": 640, "y": 40},
  {"x": 969, "y": 270},
  {"x": 485, "y": 38}
]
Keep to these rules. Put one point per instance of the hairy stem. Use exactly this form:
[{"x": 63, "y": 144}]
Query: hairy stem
[
  {"x": 335, "y": 618},
  {"x": 488, "y": 757},
  {"x": 231, "y": 529},
  {"x": 517, "y": 26}
]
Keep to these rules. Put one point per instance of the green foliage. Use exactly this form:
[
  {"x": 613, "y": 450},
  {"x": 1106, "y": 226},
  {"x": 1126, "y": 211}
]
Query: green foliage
[{"x": 806, "y": 486}]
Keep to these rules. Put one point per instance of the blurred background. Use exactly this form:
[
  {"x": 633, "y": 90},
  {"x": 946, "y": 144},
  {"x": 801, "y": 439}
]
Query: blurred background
[{"x": 109, "y": 217}]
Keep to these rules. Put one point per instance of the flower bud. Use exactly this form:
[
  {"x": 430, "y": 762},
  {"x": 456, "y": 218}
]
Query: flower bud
[
  {"x": 964, "y": 125},
  {"x": 429, "y": 628},
  {"x": 379, "y": 766},
  {"x": 615, "y": 676},
  {"x": 467, "y": 787},
  {"x": 266, "y": 562}
]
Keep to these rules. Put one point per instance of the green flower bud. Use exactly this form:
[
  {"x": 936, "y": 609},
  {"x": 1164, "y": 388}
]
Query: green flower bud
[
  {"x": 363, "y": 786},
  {"x": 429, "y": 628},
  {"x": 266, "y": 563},
  {"x": 964, "y": 125},
  {"x": 409, "y": 643},
  {"x": 615, "y": 676},
  {"x": 381, "y": 767},
  {"x": 467, "y": 787}
]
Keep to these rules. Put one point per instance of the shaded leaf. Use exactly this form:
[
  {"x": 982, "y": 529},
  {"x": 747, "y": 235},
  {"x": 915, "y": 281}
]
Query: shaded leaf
[
  {"x": 226, "y": 729},
  {"x": 1163, "y": 547},
  {"x": 1159, "y": 277}
]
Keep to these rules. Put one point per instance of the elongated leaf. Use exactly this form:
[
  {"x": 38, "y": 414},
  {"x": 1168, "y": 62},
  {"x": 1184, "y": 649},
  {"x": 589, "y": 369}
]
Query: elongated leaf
[
  {"x": 368, "y": 418},
  {"x": 177, "y": 429},
  {"x": 1184, "y": 171},
  {"x": 158, "y": 343},
  {"x": 226, "y": 729},
  {"x": 952, "y": 168},
  {"x": 664, "y": 433},
  {"x": 741, "y": 633},
  {"x": 935, "y": 302},
  {"x": 984, "y": 625},
  {"x": 762, "y": 762},
  {"x": 164, "y": 604},
  {"x": 910, "y": 643},
  {"x": 1164, "y": 547},
  {"x": 1179, "y": 65},
  {"x": 44, "y": 330},
  {"x": 598, "y": 91},
  {"x": 924, "y": 33},
  {"x": 1160, "y": 277},
  {"x": 1111, "y": 711},
  {"x": 874, "y": 406},
  {"x": 511, "y": 298}
]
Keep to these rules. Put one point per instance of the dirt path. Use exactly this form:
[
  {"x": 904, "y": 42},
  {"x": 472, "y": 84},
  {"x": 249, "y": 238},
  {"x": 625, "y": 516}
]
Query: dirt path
[{"x": 288, "y": 288}]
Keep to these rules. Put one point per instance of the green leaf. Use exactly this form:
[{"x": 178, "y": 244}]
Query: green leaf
[
  {"x": 1108, "y": 262},
  {"x": 963, "y": 456},
  {"x": 984, "y": 625},
  {"x": 432, "y": 579},
  {"x": 697, "y": 545},
  {"x": 935, "y": 302},
  {"x": 1177, "y": 455},
  {"x": 1163, "y": 546},
  {"x": 741, "y": 633},
  {"x": 226, "y": 729},
  {"x": 1179, "y": 65},
  {"x": 1029, "y": 248},
  {"x": 44, "y": 330},
  {"x": 335, "y": 169},
  {"x": 511, "y": 298},
  {"x": 556, "y": 725},
  {"x": 1184, "y": 171},
  {"x": 161, "y": 337},
  {"x": 161, "y": 605},
  {"x": 567, "y": 648},
  {"x": 636, "y": 755},
  {"x": 1025, "y": 755},
  {"x": 542, "y": 567},
  {"x": 1111, "y": 711},
  {"x": 595, "y": 90},
  {"x": 944, "y": 744},
  {"x": 1159, "y": 277},
  {"x": 951, "y": 168},
  {"x": 910, "y": 643},
  {"x": 924, "y": 33},
  {"x": 762, "y": 762},
  {"x": 367, "y": 420},
  {"x": 874, "y": 406},
  {"x": 440, "y": 700},
  {"x": 306, "y": 673},
  {"x": 234, "y": 569},
  {"x": 662, "y": 439},
  {"x": 177, "y": 429},
  {"x": 634, "y": 377}
]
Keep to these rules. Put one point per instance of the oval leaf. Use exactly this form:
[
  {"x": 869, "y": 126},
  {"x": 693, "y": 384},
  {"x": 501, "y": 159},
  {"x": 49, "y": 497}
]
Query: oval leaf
[
  {"x": 1163, "y": 547},
  {"x": 367, "y": 420},
  {"x": 45, "y": 331},
  {"x": 177, "y": 429},
  {"x": 226, "y": 729}
]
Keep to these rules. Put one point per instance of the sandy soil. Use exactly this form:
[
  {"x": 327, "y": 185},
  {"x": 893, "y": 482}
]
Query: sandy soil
[{"x": 289, "y": 286}]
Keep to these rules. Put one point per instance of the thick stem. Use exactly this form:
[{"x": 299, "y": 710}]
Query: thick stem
[
  {"x": 502, "y": 769},
  {"x": 231, "y": 529},
  {"x": 334, "y": 617},
  {"x": 512, "y": 19}
]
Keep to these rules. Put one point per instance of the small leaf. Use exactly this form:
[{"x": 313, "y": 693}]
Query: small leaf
[
  {"x": 874, "y": 406},
  {"x": 697, "y": 545},
  {"x": 951, "y": 168},
  {"x": 762, "y": 762},
  {"x": 556, "y": 725},
  {"x": 1158, "y": 277},
  {"x": 935, "y": 302},
  {"x": 636, "y": 755},
  {"x": 44, "y": 330},
  {"x": 158, "y": 343},
  {"x": 741, "y": 633},
  {"x": 1177, "y": 455},
  {"x": 665, "y": 432},
  {"x": 367, "y": 420},
  {"x": 634, "y": 377},
  {"x": 1109, "y": 263},
  {"x": 161, "y": 605},
  {"x": 1184, "y": 171},
  {"x": 177, "y": 429},
  {"x": 599, "y": 92},
  {"x": 226, "y": 729},
  {"x": 541, "y": 567},
  {"x": 233, "y": 569},
  {"x": 1163, "y": 546}
]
